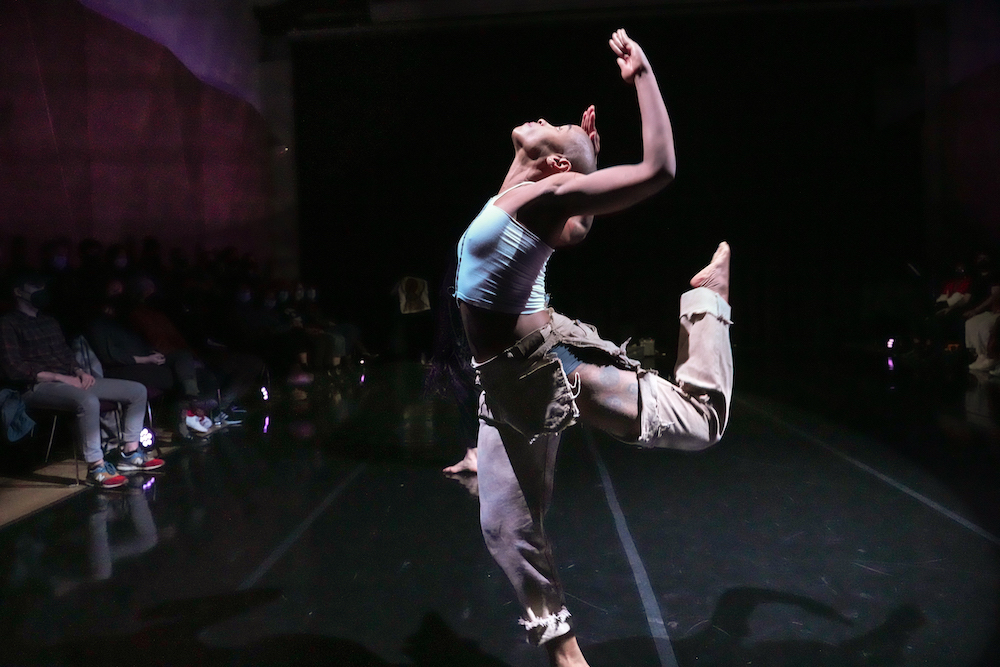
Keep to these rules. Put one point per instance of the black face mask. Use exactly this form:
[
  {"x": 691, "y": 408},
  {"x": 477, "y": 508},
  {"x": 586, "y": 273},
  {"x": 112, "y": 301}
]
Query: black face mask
[{"x": 41, "y": 299}]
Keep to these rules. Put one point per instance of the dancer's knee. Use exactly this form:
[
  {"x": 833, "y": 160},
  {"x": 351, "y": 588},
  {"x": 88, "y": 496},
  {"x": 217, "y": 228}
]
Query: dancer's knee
[{"x": 671, "y": 418}]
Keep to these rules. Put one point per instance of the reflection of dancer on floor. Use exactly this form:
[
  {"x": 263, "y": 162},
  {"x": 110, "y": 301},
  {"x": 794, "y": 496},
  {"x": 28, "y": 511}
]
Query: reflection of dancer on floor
[{"x": 541, "y": 371}]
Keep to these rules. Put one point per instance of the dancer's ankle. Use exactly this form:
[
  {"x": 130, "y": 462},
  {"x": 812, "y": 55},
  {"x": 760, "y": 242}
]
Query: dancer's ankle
[{"x": 564, "y": 651}]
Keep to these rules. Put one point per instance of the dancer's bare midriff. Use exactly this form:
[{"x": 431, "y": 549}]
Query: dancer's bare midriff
[{"x": 490, "y": 333}]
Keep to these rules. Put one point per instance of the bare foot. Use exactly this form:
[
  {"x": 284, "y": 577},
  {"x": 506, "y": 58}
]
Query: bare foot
[
  {"x": 715, "y": 276},
  {"x": 565, "y": 652},
  {"x": 468, "y": 464}
]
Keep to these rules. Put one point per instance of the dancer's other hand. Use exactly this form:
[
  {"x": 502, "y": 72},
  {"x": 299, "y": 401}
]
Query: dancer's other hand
[{"x": 589, "y": 125}]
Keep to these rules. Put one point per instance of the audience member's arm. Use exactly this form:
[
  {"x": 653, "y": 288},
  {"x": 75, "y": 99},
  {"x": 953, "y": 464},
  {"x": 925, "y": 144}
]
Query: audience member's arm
[
  {"x": 72, "y": 380},
  {"x": 988, "y": 304}
]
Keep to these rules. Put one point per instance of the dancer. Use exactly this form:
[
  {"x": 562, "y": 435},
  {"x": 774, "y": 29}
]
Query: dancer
[{"x": 541, "y": 372}]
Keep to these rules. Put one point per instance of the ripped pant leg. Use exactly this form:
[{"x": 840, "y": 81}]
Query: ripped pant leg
[
  {"x": 693, "y": 413},
  {"x": 515, "y": 488}
]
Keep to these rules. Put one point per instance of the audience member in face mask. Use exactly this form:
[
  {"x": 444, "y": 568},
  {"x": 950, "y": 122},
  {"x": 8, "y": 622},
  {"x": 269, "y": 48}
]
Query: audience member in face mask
[
  {"x": 117, "y": 261},
  {"x": 65, "y": 291},
  {"x": 35, "y": 358}
]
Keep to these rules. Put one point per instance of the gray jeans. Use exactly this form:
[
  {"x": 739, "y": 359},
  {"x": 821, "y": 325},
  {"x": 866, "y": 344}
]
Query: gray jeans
[
  {"x": 528, "y": 401},
  {"x": 86, "y": 406}
]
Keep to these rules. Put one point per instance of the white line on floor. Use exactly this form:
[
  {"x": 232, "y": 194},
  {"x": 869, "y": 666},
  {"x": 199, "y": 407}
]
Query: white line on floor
[
  {"x": 649, "y": 604},
  {"x": 962, "y": 521},
  {"x": 297, "y": 533}
]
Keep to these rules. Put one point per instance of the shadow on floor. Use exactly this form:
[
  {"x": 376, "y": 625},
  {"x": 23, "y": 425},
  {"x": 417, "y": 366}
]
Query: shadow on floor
[
  {"x": 723, "y": 641},
  {"x": 170, "y": 636}
]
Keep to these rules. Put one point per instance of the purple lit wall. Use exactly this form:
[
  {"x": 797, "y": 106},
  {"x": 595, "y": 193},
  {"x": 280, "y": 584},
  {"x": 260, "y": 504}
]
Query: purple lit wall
[
  {"x": 106, "y": 133},
  {"x": 216, "y": 39}
]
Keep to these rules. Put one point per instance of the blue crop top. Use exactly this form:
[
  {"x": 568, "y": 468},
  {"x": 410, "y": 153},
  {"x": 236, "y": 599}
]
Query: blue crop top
[{"x": 501, "y": 265}]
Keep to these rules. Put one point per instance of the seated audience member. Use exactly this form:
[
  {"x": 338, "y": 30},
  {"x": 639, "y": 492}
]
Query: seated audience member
[
  {"x": 150, "y": 322},
  {"x": 125, "y": 355},
  {"x": 236, "y": 374},
  {"x": 262, "y": 329},
  {"x": 327, "y": 347},
  {"x": 943, "y": 323},
  {"x": 955, "y": 294},
  {"x": 982, "y": 313},
  {"x": 35, "y": 358}
]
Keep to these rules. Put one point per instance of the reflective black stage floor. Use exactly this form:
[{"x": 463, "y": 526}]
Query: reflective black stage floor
[{"x": 849, "y": 517}]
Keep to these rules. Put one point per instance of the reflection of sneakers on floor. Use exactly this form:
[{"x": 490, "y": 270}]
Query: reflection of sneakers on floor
[
  {"x": 137, "y": 460},
  {"x": 198, "y": 425},
  {"x": 105, "y": 476}
]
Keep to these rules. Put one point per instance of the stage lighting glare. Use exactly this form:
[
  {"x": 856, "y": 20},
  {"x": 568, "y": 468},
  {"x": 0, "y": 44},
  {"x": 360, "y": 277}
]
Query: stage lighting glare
[
  {"x": 889, "y": 343},
  {"x": 146, "y": 438}
]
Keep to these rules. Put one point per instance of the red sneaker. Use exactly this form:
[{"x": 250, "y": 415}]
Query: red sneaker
[{"x": 105, "y": 476}]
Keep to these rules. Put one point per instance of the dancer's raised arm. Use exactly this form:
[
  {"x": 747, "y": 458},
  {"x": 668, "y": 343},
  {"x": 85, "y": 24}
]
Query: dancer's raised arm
[{"x": 615, "y": 188}]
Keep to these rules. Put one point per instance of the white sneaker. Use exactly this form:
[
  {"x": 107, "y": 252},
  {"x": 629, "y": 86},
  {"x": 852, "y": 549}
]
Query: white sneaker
[{"x": 198, "y": 424}]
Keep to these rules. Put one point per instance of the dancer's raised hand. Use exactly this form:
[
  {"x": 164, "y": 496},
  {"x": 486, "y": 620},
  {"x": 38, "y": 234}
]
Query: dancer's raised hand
[{"x": 631, "y": 59}]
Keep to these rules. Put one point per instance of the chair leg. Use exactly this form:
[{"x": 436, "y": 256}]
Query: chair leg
[
  {"x": 52, "y": 435},
  {"x": 120, "y": 423},
  {"x": 76, "y": 454}
]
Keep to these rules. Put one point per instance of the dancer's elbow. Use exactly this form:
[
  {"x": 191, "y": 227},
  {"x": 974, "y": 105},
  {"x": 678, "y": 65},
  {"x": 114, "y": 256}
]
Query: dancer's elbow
[{"x": 660, "y": 171}]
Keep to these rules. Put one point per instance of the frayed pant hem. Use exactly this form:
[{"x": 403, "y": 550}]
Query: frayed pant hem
[{"x": 546, "y": 628}]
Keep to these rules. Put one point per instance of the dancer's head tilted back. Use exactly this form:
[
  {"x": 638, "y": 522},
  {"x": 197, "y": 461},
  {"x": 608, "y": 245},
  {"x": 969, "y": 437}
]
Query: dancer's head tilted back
[{"x": 558, "y": 148}]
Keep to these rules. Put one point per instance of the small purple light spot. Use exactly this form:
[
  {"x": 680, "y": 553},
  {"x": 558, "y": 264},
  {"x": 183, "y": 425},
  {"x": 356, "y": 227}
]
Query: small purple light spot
[
  {"x": 891, "y": 365},
  {"x": 267, "y": 422},
  {"x": 889, "y": 343}
]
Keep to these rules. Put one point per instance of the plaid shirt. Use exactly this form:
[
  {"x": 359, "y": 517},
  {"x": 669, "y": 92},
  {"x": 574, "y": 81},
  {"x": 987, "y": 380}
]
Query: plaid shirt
[{"x": 31, "y": 345}]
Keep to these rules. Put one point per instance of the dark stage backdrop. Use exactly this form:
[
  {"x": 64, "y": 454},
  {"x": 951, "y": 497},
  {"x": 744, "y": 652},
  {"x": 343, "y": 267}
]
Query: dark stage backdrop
[{"x": 782, "y": 151}]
